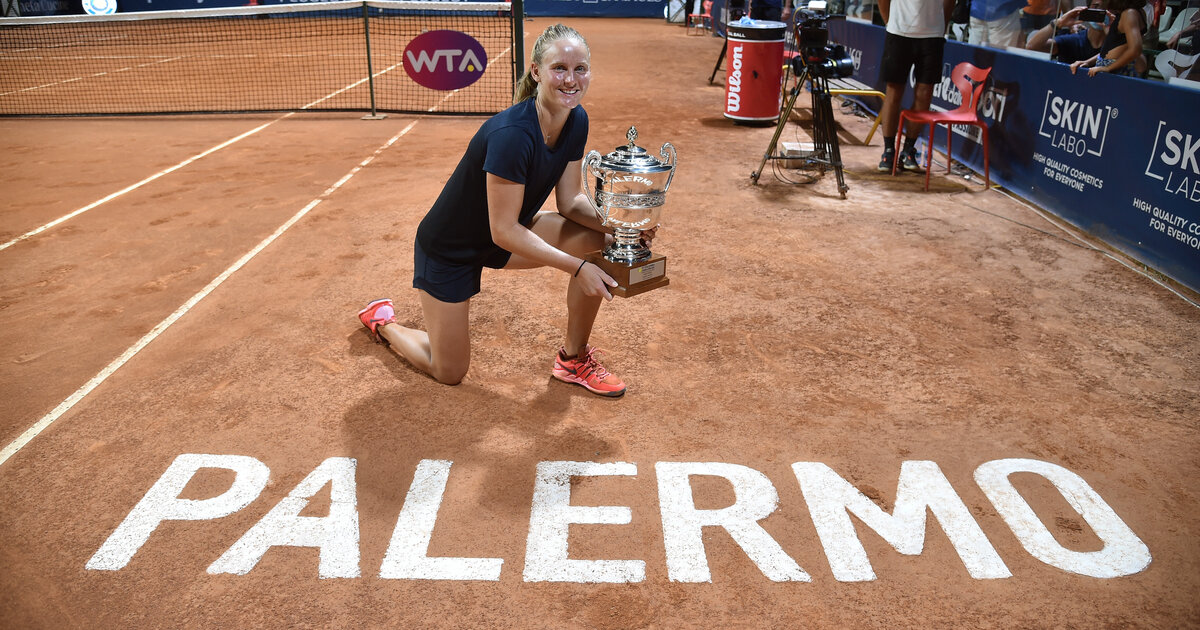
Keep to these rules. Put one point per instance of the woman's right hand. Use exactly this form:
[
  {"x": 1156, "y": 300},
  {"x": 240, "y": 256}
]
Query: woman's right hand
[
  {"x": 594, "y": 282},
  {"x": 1076, "y": 65}
]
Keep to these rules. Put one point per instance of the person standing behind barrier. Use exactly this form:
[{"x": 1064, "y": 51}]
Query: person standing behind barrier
[
  {"x": 915, "y": 39},
  {"x": 995, "y": 23},
  {"x": 766, "y": 10},
  {"x": 1123, "y": 43},
  {"x": 488, "y": 216}
]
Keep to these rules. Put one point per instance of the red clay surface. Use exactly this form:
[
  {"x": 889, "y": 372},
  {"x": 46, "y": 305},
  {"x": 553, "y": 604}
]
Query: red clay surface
[{"x": 955, "y": 326}]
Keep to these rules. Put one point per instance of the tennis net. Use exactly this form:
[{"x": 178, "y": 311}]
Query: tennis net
[{"x": 437, "y": 57}]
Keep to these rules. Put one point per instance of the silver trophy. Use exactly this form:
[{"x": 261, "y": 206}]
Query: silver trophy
[{"x": 630, "y": 190}]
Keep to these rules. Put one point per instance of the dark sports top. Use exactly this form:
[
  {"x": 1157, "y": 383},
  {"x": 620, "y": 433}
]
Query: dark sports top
[
  {"x": 1115, "y": 38},
  {"x": 508, "y": 145}
]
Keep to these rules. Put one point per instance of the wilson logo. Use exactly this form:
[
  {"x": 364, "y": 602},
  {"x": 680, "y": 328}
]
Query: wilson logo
[
  {"x": 444, "y": 60},
  {"x": 733, "y": 96}
]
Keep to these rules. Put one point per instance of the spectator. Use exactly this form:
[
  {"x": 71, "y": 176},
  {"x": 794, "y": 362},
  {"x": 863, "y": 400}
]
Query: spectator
[
  {"x": 1185, "y": 43},
  {"x": 1185, "y": 40},
  {"x": 1067, "y": 39},
  {"x": 914, "y": 41},
  {"x": 766, "y": 10},
  {"x": 1038, "y": 13},
  {"x": 996, "y": 23},
  {"x": 1123, "y": 42}
]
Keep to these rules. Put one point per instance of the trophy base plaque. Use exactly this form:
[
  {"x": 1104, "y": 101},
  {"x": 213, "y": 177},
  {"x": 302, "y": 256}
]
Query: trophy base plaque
[{"x": 632, "y": 279}]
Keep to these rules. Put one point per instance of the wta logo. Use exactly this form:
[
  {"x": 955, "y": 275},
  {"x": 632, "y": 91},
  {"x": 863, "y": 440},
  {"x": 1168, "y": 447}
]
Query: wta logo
[{"x": 444, "y": 60}]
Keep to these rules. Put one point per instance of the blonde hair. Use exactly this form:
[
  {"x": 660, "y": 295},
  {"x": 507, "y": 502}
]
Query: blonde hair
[{"x": 527, "y": 87}]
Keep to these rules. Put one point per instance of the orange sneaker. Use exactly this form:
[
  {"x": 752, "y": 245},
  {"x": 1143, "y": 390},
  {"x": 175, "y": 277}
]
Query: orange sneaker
[
  {"x": 377, "y": 314},
  {"x": 586, "y": 370}
]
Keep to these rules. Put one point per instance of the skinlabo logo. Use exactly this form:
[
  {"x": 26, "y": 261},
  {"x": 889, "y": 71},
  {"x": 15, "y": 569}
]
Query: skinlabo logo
[
  {"x": 444, "y": 60},
  {"x": 1175, "y": 161},
  {"x": 1075, "y": 127}
]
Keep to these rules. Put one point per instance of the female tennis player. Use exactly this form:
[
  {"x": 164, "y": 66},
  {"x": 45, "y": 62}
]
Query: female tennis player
[{"x": 488, "y": 216}]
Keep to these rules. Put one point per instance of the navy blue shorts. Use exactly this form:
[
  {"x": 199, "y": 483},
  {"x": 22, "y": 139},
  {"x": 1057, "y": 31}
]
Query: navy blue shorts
[
  {"x": 902, "y": 53},
  {"x": 448, "y": 282}
]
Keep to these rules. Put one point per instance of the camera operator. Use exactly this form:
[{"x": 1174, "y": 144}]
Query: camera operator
[{"x": 915, "y": 38}]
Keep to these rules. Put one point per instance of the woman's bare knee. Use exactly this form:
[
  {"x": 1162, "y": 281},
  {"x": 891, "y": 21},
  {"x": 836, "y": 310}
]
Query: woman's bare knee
[{"x": 449, "y": 375}]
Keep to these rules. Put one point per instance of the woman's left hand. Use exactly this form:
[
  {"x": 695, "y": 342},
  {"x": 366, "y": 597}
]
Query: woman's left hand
[{"x": 1097, "y": 69}]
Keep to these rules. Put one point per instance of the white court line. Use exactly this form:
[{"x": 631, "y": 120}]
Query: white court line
[
  {"x": 184, "y": 163},
  {"x": 83, "y": 391},
  {"x": 98, "y": 74},
  {"x": 133, "y": 187},
  {"x": 108, "y": 370}
]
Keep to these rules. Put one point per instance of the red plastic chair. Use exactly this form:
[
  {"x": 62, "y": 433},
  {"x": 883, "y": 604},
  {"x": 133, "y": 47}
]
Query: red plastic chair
[
  {"x": 969, "y": 81},
  {"x": 700, "y": 22}
]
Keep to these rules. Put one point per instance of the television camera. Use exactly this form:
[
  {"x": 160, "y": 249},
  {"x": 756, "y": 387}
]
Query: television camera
[
  {"x": 812, "y": 37},
  {"x": 816, "y": 62}
]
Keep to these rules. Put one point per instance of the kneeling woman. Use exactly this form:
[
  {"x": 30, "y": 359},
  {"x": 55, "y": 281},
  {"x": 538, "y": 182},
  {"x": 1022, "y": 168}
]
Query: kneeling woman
[{"x": 487, "y": 216}]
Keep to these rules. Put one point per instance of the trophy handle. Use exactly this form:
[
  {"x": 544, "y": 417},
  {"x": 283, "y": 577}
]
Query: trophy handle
[
  {"x": 592, "y": 160},
  {"x": 667, "y": 146}
]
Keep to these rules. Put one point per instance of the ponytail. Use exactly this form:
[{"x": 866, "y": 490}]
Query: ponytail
[{"x": 527, "y": 87}]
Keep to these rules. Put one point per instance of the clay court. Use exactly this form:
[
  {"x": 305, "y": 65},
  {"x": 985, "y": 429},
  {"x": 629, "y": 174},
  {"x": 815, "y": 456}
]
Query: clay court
[{"x": 896, "y": 329}]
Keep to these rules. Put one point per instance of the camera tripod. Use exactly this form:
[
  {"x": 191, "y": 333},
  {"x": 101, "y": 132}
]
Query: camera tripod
[{"x": 826, "y": 153}]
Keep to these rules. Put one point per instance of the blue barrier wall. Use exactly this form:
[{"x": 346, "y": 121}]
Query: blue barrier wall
[
  {"x": 1115, "y": 156},
  {"x": 49, "y": 7}
]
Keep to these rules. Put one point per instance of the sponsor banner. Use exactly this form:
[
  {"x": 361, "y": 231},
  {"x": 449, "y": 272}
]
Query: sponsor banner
[
  {"x": 29, "y": 8},
  {"x": 595, "y": 8},
  {"x": 556, "y": 8},
  {"x": 127, "y": 6},
  {"x": 1114, "y": 156},
  {"x": 444, "y": 60},
  {"x": 100, "y": 7},
  {"x": 172, "y": 5}
]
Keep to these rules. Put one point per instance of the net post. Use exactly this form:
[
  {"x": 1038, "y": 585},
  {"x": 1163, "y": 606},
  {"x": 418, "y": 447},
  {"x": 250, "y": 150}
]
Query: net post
[
  {"x": 518, "y": 30},
  {"x": 370, "y": 69}
]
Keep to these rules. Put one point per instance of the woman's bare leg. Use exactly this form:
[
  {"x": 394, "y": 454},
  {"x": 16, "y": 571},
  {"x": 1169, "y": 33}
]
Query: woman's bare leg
[
  {"x": 444, "y": 352},
  {"x": 576, "y": 240}
]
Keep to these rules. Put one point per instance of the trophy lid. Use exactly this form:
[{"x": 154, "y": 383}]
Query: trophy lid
[{"x": 633, "y": 159}]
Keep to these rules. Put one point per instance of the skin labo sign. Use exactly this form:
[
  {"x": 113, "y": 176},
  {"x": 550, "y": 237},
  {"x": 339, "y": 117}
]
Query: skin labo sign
[{"x": 922, "y": 489}]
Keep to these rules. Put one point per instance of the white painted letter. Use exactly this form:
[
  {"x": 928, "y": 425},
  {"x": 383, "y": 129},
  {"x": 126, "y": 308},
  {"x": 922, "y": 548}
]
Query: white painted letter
[
  {"x": 336, "y": 535},
  {"x": 406, "y": 554},
  {"x": 162, "y": 503},
  {"x": 1123, "y": 553},
  {"x": 546, "y": 549},
  {"x": 754, "y": 499},
  {"x": 831, "y": 498}
]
